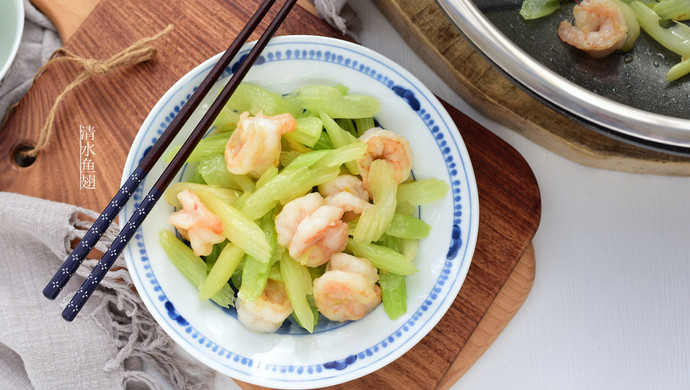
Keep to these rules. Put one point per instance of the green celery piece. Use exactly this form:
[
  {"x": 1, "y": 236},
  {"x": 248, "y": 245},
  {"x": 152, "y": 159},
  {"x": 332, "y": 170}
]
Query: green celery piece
[
  {"x": 382, "y": 257},
  {"x": 214, "y": 171},
  {"x": 339, "y": 138},
  {"x": 226, "y": 194},
  {"x": 422, "y": 191},
  {"x": 255, "y": 273},
  {"x": 324, "y": 142},
  {"x": 343, "y": 155},
  {"x": 298, "y": 285},
  {"x": 410, "y": 248},
  {"x": 287, "y": 156},
  {"x": 364, "y": 124},
  {"x": 676, "y": 38},
  {"x": 239, "y": 229},
  {"x": 405, "y": 208},
  {"x": 342, "y": 89},
  {"x": 305, "y": 160},
  {"x": 210, "y": 146},
  {"x": 293, "y": 181},
  {"x": 407, "y": 227},
  {"x": 375, "y": 219},
  {"x": 288, "y": 185},
  {"x": 196, "y": 179},
  {"x": 390, "y": 242},
  {"x": 347, "y": 125},
  {"x": 257, "y": 204},
  {"x": 252, "y": 98},
  {"x": 270, "y": 173},
  {"x": 239, "y": 203},
  {"x": 222, "y": 271},
  {"x": 191, "y": 266},
  {"x": 330, "y": 100},
  {"x": 678, "y": 70},
  {"x": 308, "y": 131},
  {"x": 274, "y": 272},
  {"x": 535, "y": 9},
  {"x": 211, "y": 258},
  {"x": 393, "y": 294},
  {"x": 673, "y": 9},
  {"x": 236, "y": 278},
  {"x": 314, "y": 311},
  {"x": 631, "y": 22},
  {"x": 226, "y": 120}
]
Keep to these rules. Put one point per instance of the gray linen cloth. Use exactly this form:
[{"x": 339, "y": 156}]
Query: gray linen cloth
[
  {"x": 339, "y": 15},
  {"x": 39, "y": 41},
  {"x": 106, "y": 345}
]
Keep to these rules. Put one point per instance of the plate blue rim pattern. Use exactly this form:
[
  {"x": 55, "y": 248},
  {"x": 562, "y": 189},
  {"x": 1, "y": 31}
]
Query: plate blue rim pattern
[{"x": 459, "y": 171}]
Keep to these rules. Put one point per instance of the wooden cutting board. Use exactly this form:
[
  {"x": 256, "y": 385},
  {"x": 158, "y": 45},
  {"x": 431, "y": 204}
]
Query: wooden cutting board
[
  {"x": 427, "y": 29},
  {"x": 114, "y": 106}
]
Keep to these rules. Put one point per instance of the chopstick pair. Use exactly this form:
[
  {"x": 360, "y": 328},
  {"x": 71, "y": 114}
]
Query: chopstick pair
[{"x": 94, "y": 234}]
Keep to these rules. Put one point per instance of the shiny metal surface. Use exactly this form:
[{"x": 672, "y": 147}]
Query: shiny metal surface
[{"x": 668, "y": 129}]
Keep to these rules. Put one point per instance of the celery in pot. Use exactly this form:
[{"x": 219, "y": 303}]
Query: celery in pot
[
  {"x": 535, "y": 9},
  {"x": 673, "y": 9}
]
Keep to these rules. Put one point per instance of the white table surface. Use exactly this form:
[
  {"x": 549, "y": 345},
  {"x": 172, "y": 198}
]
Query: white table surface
[{"x": 610, "y": 305}]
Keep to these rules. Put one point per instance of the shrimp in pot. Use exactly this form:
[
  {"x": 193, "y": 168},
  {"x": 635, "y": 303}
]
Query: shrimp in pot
[
  {"x": 254, "y": 146},
  {"x": 389, "y": 146},
  {"x": 348, "y": 193},
  {"x": 599, "y": 30},
  {"x": 311, "y": 230},
  {"x": 347, "y": 291},
  {"x": 197, "y": 224},
  {"x": 268, "y": 311}
]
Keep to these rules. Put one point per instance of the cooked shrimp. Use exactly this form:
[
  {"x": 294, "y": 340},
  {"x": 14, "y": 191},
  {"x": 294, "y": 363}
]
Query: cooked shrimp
[
  {"x": 268, "y": 311},
  {"x": 344, "y": 183},
  {"x": 351, "y": 205},
  {"x": 311, "y": 230},
  {"x": 347, "y": 291},
  {"x": 348, "y": 193},
  {"x": 197, "y": 224},
  {"x": 293, "y": 213},
  {"x": 254, "y": 146},
  {"x": 353, "y": 264},
  {"x": 389, "y": 146},
  {"x": 319, "y": 236},
  {"x": 599, "y": 30}
]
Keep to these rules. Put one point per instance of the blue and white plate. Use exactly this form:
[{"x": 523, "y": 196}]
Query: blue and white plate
[{"x": 334, "y": 353}]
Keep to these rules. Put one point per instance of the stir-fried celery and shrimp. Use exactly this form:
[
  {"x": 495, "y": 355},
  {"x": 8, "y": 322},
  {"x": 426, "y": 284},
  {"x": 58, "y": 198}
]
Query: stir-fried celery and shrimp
[
  {"x": 604, "y": 26},
  {"x": 301, "y": 204}
]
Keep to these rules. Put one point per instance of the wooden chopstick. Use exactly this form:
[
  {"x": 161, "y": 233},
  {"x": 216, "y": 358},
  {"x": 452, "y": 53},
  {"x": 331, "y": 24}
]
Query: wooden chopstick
[{"x": 90, "y": 284}]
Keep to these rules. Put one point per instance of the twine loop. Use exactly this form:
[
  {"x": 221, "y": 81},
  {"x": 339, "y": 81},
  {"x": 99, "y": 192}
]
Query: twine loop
[{"x": 141, "y": 51}]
